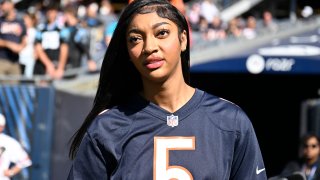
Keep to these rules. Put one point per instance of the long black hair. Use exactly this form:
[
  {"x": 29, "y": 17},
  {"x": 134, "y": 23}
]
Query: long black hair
[{"x": 119, "y": 79}]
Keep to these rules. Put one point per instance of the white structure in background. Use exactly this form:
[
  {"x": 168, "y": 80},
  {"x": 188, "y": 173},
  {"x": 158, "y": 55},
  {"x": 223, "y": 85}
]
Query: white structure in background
[{"x": 237, "y": 9}]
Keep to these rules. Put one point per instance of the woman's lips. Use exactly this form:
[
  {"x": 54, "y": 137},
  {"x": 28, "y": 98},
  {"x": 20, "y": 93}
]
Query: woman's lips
[{"x": 154, "y": 63}]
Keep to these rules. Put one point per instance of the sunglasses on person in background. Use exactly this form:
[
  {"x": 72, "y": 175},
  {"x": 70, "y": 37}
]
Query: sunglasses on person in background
[{"x": 310, "y": 145}]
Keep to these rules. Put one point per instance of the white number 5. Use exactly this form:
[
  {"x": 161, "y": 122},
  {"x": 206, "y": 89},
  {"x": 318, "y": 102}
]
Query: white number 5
[{"x": 161, "y": 168}]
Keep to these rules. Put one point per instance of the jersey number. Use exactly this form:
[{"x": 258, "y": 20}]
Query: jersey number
[{"x": 161, "y": 168}]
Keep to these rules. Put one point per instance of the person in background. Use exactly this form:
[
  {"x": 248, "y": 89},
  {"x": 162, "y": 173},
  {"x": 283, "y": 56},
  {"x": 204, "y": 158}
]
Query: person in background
[
  {"x": 216, "y": 29},
  {"x": 95, "y": 26},
  {"x": 11, "y": 151},
  {"x": 250, "y": 30},
  {"x": 269, "y": 23},
  {"x": 209, "y": 10},
  {"x": 12, "y": 40},
  {"x": 194, "y": 16},
  {"x": 110, "y": 20},
  {"x": 28, "y": 55},
  {"x": 234, "y": 28},
  {"x": 107, "y": 13},
  {"x": 51, "y": 46},
  {"x": 78, "y": 41},
  {"x": 161, "y": 127},
  {"x": 309, "y": 161},
  {"x": 108, "y": 32}
]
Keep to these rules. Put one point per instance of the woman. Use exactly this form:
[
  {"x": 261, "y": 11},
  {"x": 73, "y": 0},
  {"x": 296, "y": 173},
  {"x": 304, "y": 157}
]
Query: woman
[{"x": 157, "y": 126}]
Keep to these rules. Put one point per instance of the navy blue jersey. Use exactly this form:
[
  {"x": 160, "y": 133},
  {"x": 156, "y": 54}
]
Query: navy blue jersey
[
  {"x": 207, "y": 139},
  {"x": 13, "y": 31}
]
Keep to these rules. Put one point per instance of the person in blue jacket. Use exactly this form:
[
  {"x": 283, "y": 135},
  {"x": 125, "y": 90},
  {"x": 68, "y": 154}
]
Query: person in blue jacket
[{"x": 148, "y": 122}]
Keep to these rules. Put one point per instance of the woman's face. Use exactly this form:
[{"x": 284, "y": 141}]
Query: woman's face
[{"x": 154, "y": 47}]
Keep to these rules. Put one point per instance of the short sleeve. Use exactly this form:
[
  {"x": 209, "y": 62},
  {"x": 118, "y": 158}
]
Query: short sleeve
[
  {"x": 110, "y": 28},
  {"x": 24, "y": 29},
  {"x": 89, "y": 162},
  {"x": 38, "y": 36},
  {"x": 65, "y": 34},
  {"x": 82, "y": 36},
  {"x": 248, "y": 162},
  {"x": 19, "y": 156}
]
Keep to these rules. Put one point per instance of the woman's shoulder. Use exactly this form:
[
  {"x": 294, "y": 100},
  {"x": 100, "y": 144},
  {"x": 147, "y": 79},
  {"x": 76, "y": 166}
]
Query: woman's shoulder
[
  {"x": 112, "y": 123},
  {"x": 225, "y": 113},
  {"x": 217, "y": 103}
]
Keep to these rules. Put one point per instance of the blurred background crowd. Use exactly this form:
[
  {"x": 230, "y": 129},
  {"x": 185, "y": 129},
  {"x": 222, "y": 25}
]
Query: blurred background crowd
[{"x": 58, "y": 38}]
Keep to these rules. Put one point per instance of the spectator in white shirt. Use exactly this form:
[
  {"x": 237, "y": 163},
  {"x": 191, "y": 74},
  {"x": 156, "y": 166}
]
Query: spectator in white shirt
[{"x": 11, "y": 151}]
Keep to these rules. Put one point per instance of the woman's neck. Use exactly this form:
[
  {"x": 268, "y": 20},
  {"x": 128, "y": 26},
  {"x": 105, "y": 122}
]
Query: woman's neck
[{"x": 170, "y": 95}]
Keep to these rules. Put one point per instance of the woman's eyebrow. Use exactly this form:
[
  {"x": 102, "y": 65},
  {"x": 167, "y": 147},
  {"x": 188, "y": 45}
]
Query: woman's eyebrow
[
  {"x": 159, "y": 24},
  {"x": 137, "y": 30},
  {"x": 134, "y": 30}
]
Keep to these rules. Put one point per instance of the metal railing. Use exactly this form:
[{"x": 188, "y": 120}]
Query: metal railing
[{"x": 39, "y": 79}]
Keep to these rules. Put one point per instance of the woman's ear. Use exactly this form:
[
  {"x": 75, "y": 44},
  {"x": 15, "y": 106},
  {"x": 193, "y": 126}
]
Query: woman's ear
[{"x": 184, "y": 40}]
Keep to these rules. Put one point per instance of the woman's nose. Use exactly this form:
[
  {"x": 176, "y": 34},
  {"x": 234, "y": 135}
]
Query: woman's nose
[{"x": 150, "y": 45}]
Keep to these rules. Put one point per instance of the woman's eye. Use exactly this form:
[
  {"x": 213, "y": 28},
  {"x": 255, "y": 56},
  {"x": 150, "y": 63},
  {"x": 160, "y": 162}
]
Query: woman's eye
[
  {"x": 133, "y": 39},
  {"x": 163, "y": 33}
]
